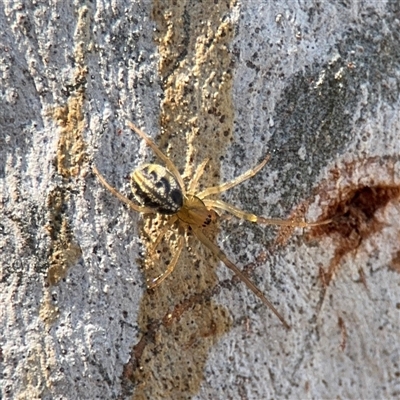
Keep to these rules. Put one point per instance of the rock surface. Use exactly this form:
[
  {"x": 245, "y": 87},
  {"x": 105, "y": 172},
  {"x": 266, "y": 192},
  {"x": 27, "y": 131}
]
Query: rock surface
[{"x": 314, "y": 85}]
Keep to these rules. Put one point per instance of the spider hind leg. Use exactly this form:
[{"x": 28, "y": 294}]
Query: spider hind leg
[
  {"x": 221, "y": 255},
  {"x": 160, "y": 278}
]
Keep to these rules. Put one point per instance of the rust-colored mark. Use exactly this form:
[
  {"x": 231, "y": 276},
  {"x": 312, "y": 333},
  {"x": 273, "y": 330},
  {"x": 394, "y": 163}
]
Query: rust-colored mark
[
  {"x": 395, "y": 262},
  {"x": 354, "y": 195},
  {"x": 322, "y": 277},
  {"x": 353, "y": 220},
  {"x": 363, "y": 278},
  {"x": 185, "y": 305},
  {"x": 343, "y": 333},
  {"x": 285, "y": 232}
]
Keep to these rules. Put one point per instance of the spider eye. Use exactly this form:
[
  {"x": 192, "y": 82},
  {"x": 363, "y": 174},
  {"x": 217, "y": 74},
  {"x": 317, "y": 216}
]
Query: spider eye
[
  {"x": 154, "y": 186},
  {"x": 207, "y": 221}
]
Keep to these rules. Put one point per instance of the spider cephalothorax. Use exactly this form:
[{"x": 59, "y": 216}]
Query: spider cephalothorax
[{"x": 161, "y": 190}]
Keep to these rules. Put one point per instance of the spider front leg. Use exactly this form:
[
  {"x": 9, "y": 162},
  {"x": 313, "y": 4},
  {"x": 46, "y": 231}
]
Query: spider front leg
[
  {"x": 219, "y": 204},
  {"x": 228, "y": 185},
  {"x": 260, "y": 220},
  {"x": 169, "y": 164}
]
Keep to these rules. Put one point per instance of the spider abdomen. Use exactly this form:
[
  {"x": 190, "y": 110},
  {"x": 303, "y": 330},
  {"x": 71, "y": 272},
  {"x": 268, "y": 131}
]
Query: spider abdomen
[{"x": 155, "y": 187}]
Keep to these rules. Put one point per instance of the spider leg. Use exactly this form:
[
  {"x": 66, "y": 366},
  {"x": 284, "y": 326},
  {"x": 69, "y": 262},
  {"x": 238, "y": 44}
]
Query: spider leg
[
  {"x": 259, "y": 220},
  {"x": 117, "y": 194},
  {"x": 221, "y": 255},
  {"x": 160, "y": 236},
  {"x": 227, "y": 185},
  {"x": 169, "y": 164},
  {"x": 160, "y": 278},
  {"x": 197, "y": 176}
]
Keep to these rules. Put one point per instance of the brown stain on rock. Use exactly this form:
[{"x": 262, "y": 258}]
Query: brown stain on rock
[
  {"x": 286, "y": 232},
  {"x": 354, "y": 219},
  {"x": 362, "y": 190},
  {"x": 179, "y": 321},
  {"x": 343, "y": 334},
  {"x": 395, "y": 262}
]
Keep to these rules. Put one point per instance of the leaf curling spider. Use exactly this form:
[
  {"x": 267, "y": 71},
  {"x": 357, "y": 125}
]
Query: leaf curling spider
[{"x": 162, "y": 190}]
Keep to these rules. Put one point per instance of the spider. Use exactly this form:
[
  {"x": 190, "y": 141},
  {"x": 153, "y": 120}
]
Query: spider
[{"x": 161, "y": 190}]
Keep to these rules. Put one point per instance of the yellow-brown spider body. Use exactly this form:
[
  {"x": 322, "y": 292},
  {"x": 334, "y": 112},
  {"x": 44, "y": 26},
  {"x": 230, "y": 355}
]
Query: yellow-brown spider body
[{"x": 161, "y": 190}]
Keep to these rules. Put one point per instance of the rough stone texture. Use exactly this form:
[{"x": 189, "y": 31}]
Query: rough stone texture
[{"x": 315, "y": 85}]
